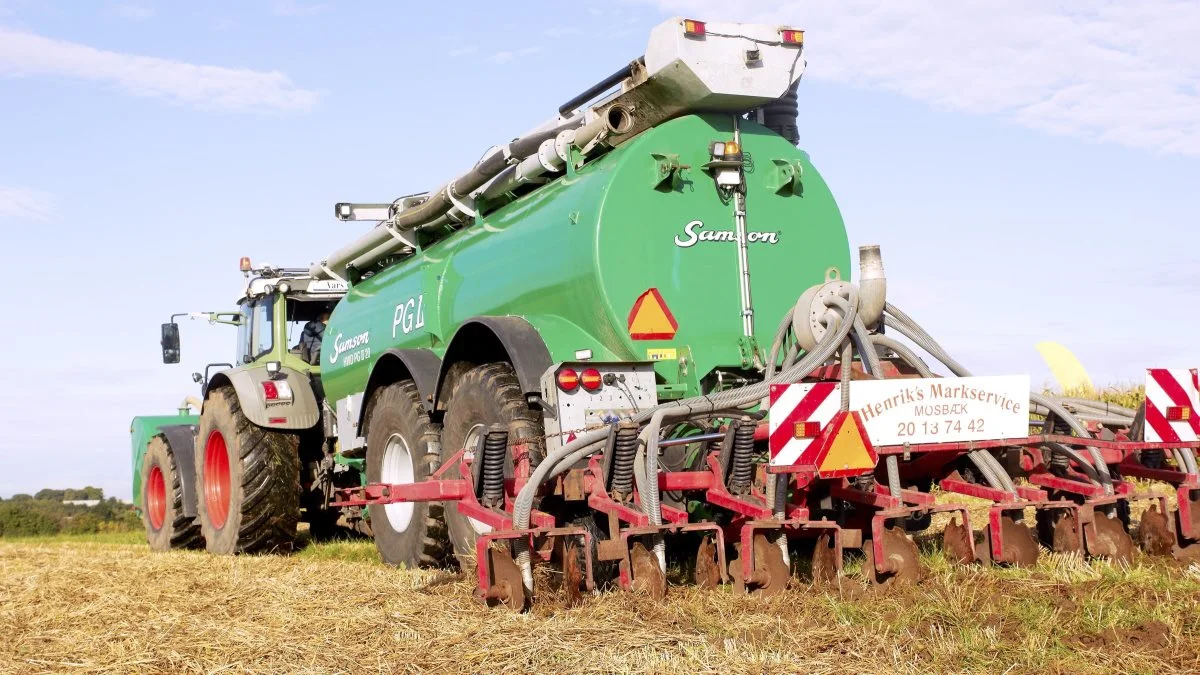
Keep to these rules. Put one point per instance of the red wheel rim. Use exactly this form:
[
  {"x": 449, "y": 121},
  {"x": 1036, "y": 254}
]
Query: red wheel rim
[
  {"x": 216, "y": 479},
  {"x": 156, "y": 497}
]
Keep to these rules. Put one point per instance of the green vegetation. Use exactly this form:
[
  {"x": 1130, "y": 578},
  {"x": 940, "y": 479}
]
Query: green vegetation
[{"x": 46, "y": 514}]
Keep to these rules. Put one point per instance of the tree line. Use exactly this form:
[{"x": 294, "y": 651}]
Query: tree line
[{"x": 44, "y": 513}]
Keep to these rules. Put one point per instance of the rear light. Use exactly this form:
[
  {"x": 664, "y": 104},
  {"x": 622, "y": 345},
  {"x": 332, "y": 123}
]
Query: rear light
[
  {"x": 807, "y": 429},
  {"x": 1178, "y": 413},
  {"x": 693, "y": 28},
  {"x": 276, "y": 390},
  {"x": 791, "y": 37},
  {"x": 728, "y": 150},
  {"x": 590, "y": 379},
  {"x": 568, "y": 379}
]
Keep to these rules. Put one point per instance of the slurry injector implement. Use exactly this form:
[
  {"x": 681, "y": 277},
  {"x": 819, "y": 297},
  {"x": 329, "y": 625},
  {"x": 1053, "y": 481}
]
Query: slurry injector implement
[{"x": 625, "y": 346}]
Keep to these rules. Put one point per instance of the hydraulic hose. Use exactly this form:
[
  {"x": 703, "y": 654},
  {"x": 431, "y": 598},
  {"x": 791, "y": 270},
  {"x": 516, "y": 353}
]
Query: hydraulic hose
[
  {"x": 1109, "y": 408},
  {"x": 897, "y": 319},
  {"x": 910, "y": 357},
  {"x": 1084, "y": 465},
  {"x": 582, "y": 446},
  {"x": 979, "y": 459}
]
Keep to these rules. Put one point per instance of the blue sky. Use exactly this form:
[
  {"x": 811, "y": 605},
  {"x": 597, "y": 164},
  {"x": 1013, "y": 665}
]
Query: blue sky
[{"x": 1029, "y": 170}]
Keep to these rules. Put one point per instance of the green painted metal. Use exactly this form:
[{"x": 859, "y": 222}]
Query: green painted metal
[
  {"x": 141, "y": 430},
  {"x": 573, "y": 257}
]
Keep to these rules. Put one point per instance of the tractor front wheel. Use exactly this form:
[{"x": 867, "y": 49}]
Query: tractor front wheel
[{"x": 247, "y": 480}]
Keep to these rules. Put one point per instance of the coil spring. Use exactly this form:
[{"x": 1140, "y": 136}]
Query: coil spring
[
  {"x": 625, "y": 446},
  {"x": 1059, "y": 461},
  {"x": 495, "y": 445},
  {"x": 741, "y": 471},
  {"x": 1153, "y": 458}
]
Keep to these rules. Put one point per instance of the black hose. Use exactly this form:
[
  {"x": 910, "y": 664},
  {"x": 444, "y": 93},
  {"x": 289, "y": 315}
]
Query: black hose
[{"x": 602, "y": 86}]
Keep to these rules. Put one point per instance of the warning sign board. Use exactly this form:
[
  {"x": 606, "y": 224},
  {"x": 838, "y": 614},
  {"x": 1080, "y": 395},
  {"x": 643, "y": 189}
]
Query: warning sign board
[{"x": 651, "y": 319}]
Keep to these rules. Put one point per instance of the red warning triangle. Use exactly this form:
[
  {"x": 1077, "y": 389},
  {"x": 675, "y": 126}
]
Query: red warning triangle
[
  {"x": 651, "y": 319},
  {"x": 847, "y": 449}
]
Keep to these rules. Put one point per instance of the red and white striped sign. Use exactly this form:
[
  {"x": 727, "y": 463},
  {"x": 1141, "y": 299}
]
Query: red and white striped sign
[
  {"x": 1172, "y": 399},
  {"x": 792, "y": 404}
]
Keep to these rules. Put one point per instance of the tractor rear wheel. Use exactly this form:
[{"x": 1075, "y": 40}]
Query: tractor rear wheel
[
  {"x": 247, "y": 481},
  {"x": 484, "y": 395},
  {"x": 401, "y": 448},
  {"x": 162, "y": 501}
]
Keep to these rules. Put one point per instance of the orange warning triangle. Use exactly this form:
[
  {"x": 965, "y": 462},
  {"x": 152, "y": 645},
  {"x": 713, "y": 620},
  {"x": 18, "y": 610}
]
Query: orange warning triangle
[
  {"x": 846, "y": 450},
  {"x": 651, "y": 319}
]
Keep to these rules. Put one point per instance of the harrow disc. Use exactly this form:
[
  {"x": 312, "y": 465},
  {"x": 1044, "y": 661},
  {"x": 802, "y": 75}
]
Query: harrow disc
[
  {"x": 824, "y": 563},
  {"x": 572, "y": 574},
  {"x": 956, "y": 542},
  {"x": 1111, "y": 540},
  {"x": 708, "y": 573},
  {"x": 648, "y": 577},
  {"x": 1064, "y": 534},
  {"x": 900, "y": 559},
  {"x": 507, "y": 587},
  {"x": 1153, "y": 534},
  {"x": 771, "y": 572}
]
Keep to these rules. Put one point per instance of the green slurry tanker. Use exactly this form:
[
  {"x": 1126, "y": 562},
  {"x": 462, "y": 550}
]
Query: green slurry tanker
[{"x": 633, "y": 325}]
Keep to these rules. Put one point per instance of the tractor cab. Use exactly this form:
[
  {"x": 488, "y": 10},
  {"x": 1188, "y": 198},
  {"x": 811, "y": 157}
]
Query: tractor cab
[{"x": 280, "y": 319}]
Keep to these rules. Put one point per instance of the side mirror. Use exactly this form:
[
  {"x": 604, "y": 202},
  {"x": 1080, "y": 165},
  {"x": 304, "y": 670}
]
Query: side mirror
[
  {"x": 197, "y": 378},
  {"x": 170, "y": 342}
]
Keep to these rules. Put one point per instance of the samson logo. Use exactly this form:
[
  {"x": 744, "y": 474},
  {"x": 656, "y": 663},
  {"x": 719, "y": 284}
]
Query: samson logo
[
  {"x": 694, "y": 234},
  {"x": 341, "y": 346}
]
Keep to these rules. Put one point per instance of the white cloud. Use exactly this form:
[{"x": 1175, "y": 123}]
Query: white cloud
[
  {"x": 24, "y": 203},
  {"x": 134, "y": 12},
  {"x": 293, "y": 8},
  {"x": 200, "y": 86},
  {"x": 463, "y": 51},
  {"x": 507, "y": 56},
  {"x": 1121, "y": 73}
]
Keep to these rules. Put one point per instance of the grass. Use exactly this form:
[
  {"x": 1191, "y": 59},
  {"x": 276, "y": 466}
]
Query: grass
[{"x": 107, "y": 605}]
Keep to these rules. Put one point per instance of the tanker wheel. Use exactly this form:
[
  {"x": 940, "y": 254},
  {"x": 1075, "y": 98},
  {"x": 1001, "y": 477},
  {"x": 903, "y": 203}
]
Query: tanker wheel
[
  {"x": 400, "y": 442},
  {"x": 162, "y": 501},
  {"x": 900, "y": 554},
  {"x": 484, "y": 395},
  {"x": 247, "y": 480}
]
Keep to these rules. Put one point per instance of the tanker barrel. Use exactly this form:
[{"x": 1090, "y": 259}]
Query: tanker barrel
[{"x": 602, "y": 86}]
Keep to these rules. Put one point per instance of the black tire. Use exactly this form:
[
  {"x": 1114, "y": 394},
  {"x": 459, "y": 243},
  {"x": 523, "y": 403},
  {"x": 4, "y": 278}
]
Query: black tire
[
  {"x": 485, "y": 395},
  {"x": 396, "y": 412},
  {"x": 162, "y": 501},
  {"x": 261, "y": 489}
]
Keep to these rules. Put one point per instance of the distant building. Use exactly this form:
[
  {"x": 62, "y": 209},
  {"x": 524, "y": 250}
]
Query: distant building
[{"x": 81, "y": 502}]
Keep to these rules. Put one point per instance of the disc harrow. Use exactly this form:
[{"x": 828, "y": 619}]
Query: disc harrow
[{"x": 784, "y": 477}]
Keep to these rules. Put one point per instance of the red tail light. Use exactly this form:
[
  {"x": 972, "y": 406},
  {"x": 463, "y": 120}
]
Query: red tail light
[
  {"x": 1178, "y": 413},
  {"x": 270, "y": 391},
  {"x": 590, "y": 379},
  {"x": 791, "y": 37},
  {"x": 693, "y": 28},
  {"x": 568, "y": 379},
  {"x": 807, "y": 430}
]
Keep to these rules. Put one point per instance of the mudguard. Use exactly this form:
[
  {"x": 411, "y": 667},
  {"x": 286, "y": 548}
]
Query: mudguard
[
  {"x": 421, "y": 366},
  {"x": 302, "y": 412},
  {"x": 181, "y": 440},
  {"x": 495, "y": 338}
]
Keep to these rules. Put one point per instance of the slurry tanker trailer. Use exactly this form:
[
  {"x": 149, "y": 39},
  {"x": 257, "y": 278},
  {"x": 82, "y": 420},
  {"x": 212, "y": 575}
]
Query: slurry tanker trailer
[{"x": 628, "y": 341}]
